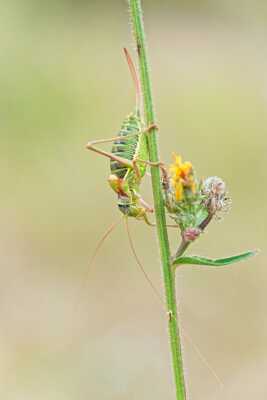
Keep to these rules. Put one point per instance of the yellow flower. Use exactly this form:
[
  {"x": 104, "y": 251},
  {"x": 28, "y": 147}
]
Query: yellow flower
[{"x": 181, "y": 177}]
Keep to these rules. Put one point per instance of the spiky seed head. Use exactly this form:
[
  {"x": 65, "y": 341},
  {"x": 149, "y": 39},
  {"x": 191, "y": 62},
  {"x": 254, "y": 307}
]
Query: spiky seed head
[{"x": 216, "y": 199}]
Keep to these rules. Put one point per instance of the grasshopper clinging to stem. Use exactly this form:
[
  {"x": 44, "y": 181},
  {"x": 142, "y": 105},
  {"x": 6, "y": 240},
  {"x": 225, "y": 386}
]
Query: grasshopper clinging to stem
[{"x": 129, "y": 157}]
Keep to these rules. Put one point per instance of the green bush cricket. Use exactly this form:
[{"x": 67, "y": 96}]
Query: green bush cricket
[{"x": 129, "y": 157}]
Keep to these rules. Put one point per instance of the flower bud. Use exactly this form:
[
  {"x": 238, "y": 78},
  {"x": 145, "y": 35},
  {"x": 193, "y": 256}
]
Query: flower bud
[{"x": 191, "y": 234}]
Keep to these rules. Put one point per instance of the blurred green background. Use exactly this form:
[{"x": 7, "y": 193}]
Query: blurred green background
[{"x": 64, "y": 81}]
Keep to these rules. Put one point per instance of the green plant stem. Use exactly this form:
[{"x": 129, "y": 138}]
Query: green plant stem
[{"x": 152, "y": 139}]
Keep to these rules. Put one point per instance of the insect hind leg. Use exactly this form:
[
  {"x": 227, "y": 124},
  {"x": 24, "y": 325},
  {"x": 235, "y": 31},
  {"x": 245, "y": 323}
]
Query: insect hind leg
[
  {"x": 124, "y": 161},
  {"x": 111, "y": 156}
]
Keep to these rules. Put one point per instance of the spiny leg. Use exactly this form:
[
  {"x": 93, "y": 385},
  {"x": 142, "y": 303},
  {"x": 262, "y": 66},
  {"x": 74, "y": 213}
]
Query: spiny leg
[
  {"x": 111, "y": 156},
  {"x": 93, "y": 142},
  {"x": 124, "y": 161}
]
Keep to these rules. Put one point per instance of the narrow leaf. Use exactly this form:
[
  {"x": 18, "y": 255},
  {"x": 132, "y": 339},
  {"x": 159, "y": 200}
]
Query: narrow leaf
[{"x": 218, "y": 262}]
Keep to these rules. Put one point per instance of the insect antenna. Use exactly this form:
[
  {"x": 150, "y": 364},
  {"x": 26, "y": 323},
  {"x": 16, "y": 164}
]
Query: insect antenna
[
  {"x": 140, "y": 264},
  {"x": 136, "y": 80},
  {"x": 201, "y": 357},
  {"x": 76, "y": 307},
  {"x": 101, "y": 242}
]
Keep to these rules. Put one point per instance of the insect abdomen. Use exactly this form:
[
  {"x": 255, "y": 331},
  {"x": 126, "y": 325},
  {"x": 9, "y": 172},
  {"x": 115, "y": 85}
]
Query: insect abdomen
[{"x": 126, "y": 146}]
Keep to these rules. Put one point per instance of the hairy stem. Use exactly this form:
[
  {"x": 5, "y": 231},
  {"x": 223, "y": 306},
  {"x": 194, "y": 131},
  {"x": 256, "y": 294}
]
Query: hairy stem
[{"x": 152, "y": 140}]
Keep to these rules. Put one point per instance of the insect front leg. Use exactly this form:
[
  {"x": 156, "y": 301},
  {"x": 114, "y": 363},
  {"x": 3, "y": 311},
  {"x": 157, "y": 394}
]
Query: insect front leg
[
  {"x": 165, "y": 181},
  {"x": 159, "y": 164},
  {"x": 151, "y": 127}
]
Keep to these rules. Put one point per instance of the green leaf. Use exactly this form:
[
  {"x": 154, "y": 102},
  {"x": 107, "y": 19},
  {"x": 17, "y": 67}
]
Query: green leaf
[{"x": 218, "y": 262}]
